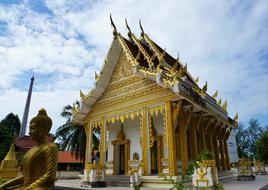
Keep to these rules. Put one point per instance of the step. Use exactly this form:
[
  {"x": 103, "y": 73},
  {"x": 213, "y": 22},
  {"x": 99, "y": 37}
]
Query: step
[{"x": 117, "y": 180}]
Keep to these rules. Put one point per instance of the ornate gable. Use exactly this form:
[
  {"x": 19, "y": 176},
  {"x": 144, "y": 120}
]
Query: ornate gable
[{"x": 122, "y": 70}]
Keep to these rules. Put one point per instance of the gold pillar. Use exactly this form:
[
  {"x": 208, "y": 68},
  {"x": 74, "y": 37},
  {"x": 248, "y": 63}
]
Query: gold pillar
[
  {"x": 216, "y": 146},
  {"x": 183, "y": 122},
  {"x": 145, "y": 147},
  {"x": 226, "y": 152},
  {"x": 194, "y": 122},
  {"x": 228, "y": 166},
  {"x": 209, "y": 137},
  {"x": 221, "y": 147},
  {"x": 170, "y": 140},
  {"x": 86, "y": 128},
  {"x": 202, "y": 129},
  {"x": 102, "y": 141}
]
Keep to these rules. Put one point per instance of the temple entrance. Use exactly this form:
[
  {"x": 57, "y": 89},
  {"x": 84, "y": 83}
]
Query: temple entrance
[
  {"x": 121, "y": 153},
  {"x": 156, "y": 153},
  {"x": 121, "y": 159},
  {"x": 154, "y": 160}
]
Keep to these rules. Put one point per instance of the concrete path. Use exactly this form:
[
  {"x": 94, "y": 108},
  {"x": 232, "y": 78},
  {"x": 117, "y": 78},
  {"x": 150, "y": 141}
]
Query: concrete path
[{"x": 229, "y": 184}]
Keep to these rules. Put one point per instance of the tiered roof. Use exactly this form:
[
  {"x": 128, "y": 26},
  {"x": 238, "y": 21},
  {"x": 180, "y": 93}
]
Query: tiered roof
[{"x": 151, "y": 61}]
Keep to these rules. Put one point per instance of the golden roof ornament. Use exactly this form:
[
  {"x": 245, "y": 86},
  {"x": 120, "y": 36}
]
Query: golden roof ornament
[
  {"x": 236, "y": 117},
  {"x": 113, "y": 26},
  {"x": 97, "y": 77},
  {"x": 205, "y": 87},
  {"x": 219, "y": 102},
  {"x": 196, "y": 80},
  {"x": 215, "y": 94},
  {"x": 224, "y": 106},
  {"x": 129, "y": 30},
  {"x": 142, "y": 31},
  {"x": 82, "y": 95},
  {"x": 75, "y": 108}
]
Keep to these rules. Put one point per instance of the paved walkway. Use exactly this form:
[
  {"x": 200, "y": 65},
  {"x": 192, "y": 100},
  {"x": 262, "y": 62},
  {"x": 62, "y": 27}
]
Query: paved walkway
[{"x": 229, "y": 184}]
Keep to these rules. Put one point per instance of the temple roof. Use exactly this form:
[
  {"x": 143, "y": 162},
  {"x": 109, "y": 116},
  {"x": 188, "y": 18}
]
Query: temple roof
[{"x": 151, "y": 61}]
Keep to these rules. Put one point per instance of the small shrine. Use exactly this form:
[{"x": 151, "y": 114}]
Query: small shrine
[
  {"x": 146, "y": 103},
  {"x": 9, "y": 166}
]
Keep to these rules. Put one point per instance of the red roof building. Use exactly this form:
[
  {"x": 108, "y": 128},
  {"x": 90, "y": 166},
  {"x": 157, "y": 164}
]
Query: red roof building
[{"x": 67, "y": 157}]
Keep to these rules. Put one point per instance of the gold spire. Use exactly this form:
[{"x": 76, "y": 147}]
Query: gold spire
[
  {"x": 82, "y": 95},
  {"x": 196, "y": 80},
  {"x": 215, "y": 94},
  {"x": 236, "y": 117},
  {"x": 11, "y": 153},
  {"x": 219, "y": 102},
  {"x": 224, "y": 106},
  {"x": 205, "y": 87}
]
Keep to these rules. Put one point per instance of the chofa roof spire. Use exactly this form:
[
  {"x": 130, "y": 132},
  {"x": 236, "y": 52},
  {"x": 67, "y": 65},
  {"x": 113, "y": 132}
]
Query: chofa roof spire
[{"x": 113, "y": 25}]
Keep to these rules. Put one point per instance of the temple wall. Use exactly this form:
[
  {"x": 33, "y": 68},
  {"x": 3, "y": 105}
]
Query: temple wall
[
  {"x": 131, "y": 129},
  {"x": 159, "y": 124},
  {"x": 232, "y": 148},
  {"x": 113, "y": 131}
]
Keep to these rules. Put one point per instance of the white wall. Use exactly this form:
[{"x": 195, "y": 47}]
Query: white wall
[
  {"x": 132, "y": 132},
  {"x": 159, "y": 126},
  {"x": 232, "y": 148}
]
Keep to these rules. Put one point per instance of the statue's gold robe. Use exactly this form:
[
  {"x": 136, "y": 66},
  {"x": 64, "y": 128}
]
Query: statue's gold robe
[
  {"x": 39, "y": 169},
  {"x": 40, "y": 166}
]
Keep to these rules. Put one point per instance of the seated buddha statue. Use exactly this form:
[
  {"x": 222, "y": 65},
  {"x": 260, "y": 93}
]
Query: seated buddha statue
[{"x": 40, "y": 162}]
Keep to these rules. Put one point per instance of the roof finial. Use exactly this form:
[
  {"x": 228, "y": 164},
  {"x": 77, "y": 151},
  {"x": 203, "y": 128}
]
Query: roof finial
[
  {"x": 142, "y": 31},
  {"x": 112, "y": 23},
  {"x": 129, "y": 31}
]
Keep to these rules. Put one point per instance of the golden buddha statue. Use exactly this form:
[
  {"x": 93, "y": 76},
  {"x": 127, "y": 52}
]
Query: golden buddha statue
[{"x": 40, "y": 162}]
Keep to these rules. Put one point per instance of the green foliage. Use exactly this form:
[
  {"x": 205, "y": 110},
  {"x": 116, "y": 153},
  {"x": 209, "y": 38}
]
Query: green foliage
[
  {"x": 9, "y": 127},
  {"x": 262, "y": 147},
  {"x": 219, "y": 187},
  {"x": 246, "y": 138},
  {"x": 204, "y": 155},
  {"x": 72, "y": 136},
  {"x": 178, "y": 185}
]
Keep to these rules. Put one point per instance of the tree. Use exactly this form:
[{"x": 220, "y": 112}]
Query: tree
[
  {"x": 262, "y": 147},
  {"x": 9, "y": 128},
  {"x": 72, "y": 136},
  {"x": 246, "y": 138}
]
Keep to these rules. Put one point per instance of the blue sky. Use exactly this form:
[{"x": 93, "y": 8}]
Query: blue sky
[{"x": 64, "y": 42}]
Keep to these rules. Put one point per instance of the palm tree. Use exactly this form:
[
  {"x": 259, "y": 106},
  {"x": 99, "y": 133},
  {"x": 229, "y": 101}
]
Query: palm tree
[{"x": 72, "y": 136}]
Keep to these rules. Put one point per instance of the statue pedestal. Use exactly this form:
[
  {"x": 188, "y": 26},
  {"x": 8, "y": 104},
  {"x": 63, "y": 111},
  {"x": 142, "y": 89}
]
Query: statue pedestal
[
  {"x": 165, "y": 166},
  {"x": 260, "y": 168},
  {"x": 135, "y": 171},
  {"x": 96, "y": 175},
  {"x": 205, "y": 175},
  {"x": 245, "y": 171}
]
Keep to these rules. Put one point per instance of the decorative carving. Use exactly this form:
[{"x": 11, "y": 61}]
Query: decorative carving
[
  {"x": 122, "y": 70},
  {"x": 121, "y": 134}
]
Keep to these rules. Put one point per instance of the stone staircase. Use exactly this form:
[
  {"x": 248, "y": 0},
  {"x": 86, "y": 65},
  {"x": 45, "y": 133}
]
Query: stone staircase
[{"x": 117, "y": 180}]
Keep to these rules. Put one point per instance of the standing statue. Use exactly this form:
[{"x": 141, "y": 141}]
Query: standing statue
[{"x": 40, "y": 162}]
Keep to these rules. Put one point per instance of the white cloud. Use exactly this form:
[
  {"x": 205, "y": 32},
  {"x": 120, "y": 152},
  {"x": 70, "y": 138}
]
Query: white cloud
[{"x": 220, "y": 41}]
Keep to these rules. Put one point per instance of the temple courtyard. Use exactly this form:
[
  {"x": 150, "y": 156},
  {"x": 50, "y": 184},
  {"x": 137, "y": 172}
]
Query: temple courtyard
[{"x": 229, "y": 183}]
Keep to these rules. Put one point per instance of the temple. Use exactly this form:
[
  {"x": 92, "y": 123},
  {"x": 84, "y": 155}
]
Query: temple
[{"x": 147, "y": 106}]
